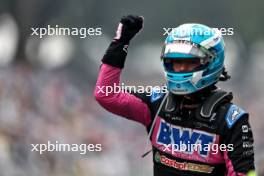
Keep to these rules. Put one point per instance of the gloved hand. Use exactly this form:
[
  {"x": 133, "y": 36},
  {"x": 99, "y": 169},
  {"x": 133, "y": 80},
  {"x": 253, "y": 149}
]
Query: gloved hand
[
  {"x": 116, "y": 53},
  {"x": 128, "y": 27}
]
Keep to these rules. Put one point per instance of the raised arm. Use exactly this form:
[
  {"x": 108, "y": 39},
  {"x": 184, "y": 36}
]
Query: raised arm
[{"x": 120, "y": 103}]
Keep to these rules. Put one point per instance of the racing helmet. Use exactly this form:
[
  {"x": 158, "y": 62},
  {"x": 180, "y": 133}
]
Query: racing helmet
[{"x": 199, "y": 47}]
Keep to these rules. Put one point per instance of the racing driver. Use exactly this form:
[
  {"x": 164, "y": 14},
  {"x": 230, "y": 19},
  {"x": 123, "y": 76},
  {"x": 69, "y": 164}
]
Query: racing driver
[{"x": 193, "y": 112}]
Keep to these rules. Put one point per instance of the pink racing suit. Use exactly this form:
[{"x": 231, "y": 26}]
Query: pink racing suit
[{"x": 227, "y": 134}]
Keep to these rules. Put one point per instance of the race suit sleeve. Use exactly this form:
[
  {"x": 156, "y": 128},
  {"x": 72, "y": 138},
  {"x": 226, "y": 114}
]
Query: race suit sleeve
[
  {"x": 240, "y": 160},
  {"x": 119, "y": 102}
]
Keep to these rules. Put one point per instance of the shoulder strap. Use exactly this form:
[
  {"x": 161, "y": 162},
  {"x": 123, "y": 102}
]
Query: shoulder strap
[{"x": 216, "y": 99}]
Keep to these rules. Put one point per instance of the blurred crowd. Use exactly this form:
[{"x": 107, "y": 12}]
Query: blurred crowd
[{"x": 40, "y": 106}]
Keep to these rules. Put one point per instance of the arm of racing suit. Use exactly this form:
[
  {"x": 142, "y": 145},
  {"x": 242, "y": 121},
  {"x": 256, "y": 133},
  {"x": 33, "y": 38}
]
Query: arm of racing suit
[
  {"x": 239, "y": 160},
  {"x": 120, "y": 103}
]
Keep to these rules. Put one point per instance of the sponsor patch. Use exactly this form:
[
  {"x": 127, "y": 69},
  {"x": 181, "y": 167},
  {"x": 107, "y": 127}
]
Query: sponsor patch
[
  {"x": 187, "y": 166},
  {"x": 233, "y": 114},
  {"x": 156, "y": 94},
  {"x": 176, "y": 136}
]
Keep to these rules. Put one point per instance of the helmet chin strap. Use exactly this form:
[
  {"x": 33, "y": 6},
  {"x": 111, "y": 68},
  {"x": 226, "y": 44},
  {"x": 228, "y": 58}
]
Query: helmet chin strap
[{"x": 225, "y": 76}]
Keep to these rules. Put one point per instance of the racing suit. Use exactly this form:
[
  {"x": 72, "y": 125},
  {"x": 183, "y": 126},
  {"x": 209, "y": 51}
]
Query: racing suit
[{"x": 207, "y": 119}]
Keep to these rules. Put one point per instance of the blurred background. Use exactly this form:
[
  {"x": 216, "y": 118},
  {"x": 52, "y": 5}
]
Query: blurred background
[{"x": 46, "y": 85}]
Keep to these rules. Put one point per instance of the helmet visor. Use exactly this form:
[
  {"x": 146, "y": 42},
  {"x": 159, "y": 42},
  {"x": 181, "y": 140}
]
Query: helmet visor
[
  {"x": 187, "y": 48},
  {"x": 183, "y": 65}
]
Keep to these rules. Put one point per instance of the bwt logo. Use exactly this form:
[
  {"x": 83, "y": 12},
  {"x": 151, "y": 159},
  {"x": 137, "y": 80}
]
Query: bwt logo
[{"x": 192, "y": 140}]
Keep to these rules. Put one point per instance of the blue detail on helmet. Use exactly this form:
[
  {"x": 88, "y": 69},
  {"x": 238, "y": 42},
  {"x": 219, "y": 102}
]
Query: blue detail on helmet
[
  {"x": 234, "y": 113},
  {"x": 195, "y": 41},
  {"x": 180, "y": 55}
]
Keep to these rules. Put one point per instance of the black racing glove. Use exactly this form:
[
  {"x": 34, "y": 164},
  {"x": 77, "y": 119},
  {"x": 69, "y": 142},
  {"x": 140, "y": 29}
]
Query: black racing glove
[
  {"x": 128, "y": 27},
  {"x": 116, "y": 53}
]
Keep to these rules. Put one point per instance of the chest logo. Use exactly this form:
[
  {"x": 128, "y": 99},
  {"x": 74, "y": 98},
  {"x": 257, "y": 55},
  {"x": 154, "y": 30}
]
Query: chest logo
[{"x": 186, "y": 140}]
